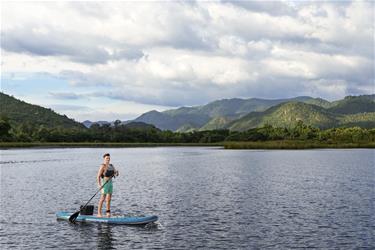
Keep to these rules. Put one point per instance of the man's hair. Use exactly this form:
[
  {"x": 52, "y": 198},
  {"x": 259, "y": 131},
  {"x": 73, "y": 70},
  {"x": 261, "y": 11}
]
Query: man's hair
[{"x": 106, "y": 154}]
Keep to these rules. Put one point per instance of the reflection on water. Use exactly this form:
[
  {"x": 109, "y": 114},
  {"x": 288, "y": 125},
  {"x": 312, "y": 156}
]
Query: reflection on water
[
  {"x": 204, "y": 197},
  {"x": 105, "y": 237}
]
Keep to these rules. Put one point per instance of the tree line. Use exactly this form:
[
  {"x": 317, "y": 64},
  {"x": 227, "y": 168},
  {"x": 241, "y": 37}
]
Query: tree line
[{"x": 27, "y": 132}]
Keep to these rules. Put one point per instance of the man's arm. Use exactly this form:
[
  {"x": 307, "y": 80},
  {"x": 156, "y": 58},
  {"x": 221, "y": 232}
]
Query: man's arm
[{"x": 98, "y": 179}]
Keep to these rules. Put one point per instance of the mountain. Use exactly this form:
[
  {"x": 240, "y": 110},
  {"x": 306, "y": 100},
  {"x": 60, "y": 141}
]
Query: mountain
[
  {"x": 174, "y": 119},
  {"x": 235, "y": 114},
  {"x": 287, "y": 115},
  {"x": 126, "y": 124},
  {"x": 88, "y": 123},
  {"x": 364, "y": 120},
  {"x": 216, "y": 123},
  {"x": 349, "y": 112},
  {"x": 354, "y": 105},
  {"x": 214, "y": 115},
  {"x": 20, "y": 112},
  {"x": 319, "y": 102},
  {"x": 140, "y": 125},
  {"x": 186, "y": 128}
]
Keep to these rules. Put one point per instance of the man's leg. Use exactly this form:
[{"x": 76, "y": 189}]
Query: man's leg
[
  {"x": 108, "y": 204},
  {"x": 101, "y": 200}
]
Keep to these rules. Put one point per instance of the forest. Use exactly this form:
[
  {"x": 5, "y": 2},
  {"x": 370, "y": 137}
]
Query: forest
[{"x": 120, "y": 133}]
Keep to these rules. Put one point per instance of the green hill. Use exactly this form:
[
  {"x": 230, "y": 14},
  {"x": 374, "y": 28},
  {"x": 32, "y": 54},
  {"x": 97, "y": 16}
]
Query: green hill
[
  {"x": 219, "y": 122},
  {"x": 319, "y": 102},
  {"x": 173, "y": 120},
  {"x": 186, "y": 128},
  {"x": 287, "y": 115},
  {"x": 216, "y": 114},
  {"x": 19, "y": 112},
  {"x": 250, "y": 112},
  {"x": 235, "y": 114},
  {"x": 364, "y": 120},
  {"x": 140, "y": 126},
  {"x": 354, "y": 105}
]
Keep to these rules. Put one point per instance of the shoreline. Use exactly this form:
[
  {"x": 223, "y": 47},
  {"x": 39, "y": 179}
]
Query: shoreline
[
  {"x": 13, "y": 145},
  {"x": 289, "y": 144},
  {"x": 283, "y": 144}
]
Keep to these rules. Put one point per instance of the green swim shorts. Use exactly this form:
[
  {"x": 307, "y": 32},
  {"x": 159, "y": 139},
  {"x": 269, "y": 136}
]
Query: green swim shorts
[{"x": 108, "y": 188}]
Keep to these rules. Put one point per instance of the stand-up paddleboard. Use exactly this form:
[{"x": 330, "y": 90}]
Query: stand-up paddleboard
[{"x": 119, "y": 220}]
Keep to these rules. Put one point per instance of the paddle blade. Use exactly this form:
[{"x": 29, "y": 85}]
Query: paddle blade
[{"x": 73, "y": 217}]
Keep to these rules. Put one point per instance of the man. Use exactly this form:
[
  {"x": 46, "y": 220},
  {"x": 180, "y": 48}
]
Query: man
[{"x": 105, "y": 174}]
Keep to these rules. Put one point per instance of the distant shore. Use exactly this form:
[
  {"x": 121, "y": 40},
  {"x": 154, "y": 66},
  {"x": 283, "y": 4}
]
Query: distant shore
[
  {"x": 7, "y": 145},
  {"x": 283, "y": 144},
  {"x": 294, "y": 144}
]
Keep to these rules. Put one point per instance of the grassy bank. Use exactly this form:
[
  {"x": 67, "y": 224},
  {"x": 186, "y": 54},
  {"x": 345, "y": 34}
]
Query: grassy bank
[
  {"x": 5, "y": 145},
  {"x": 289, "y": 144}
]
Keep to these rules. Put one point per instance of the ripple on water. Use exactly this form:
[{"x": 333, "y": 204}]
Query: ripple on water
[{"x": 204, "y": 197}]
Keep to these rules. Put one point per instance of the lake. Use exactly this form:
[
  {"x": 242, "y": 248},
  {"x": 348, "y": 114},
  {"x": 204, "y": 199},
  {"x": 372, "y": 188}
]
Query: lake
[{"x": 204, "y": 197}]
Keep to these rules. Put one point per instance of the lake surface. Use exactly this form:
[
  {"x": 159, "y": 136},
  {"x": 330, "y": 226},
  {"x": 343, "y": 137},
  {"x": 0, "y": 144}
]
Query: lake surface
[{"x": 204, "y": 197}]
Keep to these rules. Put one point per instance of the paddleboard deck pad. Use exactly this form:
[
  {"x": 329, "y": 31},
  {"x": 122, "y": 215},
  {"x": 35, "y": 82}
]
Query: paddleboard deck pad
[{"x": 119, "y": 220}]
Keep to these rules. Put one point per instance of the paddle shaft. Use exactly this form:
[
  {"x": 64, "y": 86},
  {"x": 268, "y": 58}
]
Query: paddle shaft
[
  {"x": 74, "y": 216},
  {"x": 96, "y": 192}
]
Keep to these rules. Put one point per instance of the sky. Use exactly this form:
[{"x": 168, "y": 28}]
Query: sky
[{"x": 116, "y": 60}]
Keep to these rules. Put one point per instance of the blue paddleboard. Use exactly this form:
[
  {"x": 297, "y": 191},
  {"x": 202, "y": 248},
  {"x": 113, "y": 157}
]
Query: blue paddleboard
[{"x": 119, "y": 220}]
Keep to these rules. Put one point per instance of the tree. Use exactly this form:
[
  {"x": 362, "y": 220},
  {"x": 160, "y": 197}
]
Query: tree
[{"x": 4, "y": 128}]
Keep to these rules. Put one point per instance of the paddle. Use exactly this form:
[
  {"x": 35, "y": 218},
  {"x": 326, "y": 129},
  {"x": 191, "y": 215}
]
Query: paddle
[{"x": 74, "y": 216}]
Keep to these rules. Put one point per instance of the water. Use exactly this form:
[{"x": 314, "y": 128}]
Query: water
[{"x": 204, "y": 197}]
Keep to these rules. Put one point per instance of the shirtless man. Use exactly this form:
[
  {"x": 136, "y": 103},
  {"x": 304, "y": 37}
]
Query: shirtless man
[{"x": 105, "y": 174}]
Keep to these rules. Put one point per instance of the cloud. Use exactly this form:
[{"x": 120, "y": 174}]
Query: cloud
[
  {"x": 77, "y": 47},
  {"x": 190, "y": 53},
  {"x": 66, "y": 107},
  {"x": 169, "y": 77},
  {"x": 110, "y": 112},
  {"x": 91, "y": 105},
  {"x": 65, "y": 95},
  {"x": 274, "y": 8}
]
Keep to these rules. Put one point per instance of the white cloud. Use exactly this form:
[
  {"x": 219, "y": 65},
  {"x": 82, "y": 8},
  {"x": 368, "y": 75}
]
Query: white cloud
[
  {"x": 348, "y": 26},
  {"x": 123, "y": 110},
  {"x": 91, "y": 105},
  {"x": 327, "y": 88},
  {"x": 177, "y": 53}
]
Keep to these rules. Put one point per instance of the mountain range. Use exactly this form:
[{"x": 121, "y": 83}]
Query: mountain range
[
  {"x": 242, "y": 114},
  {"x": 234, "y": 114}
]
